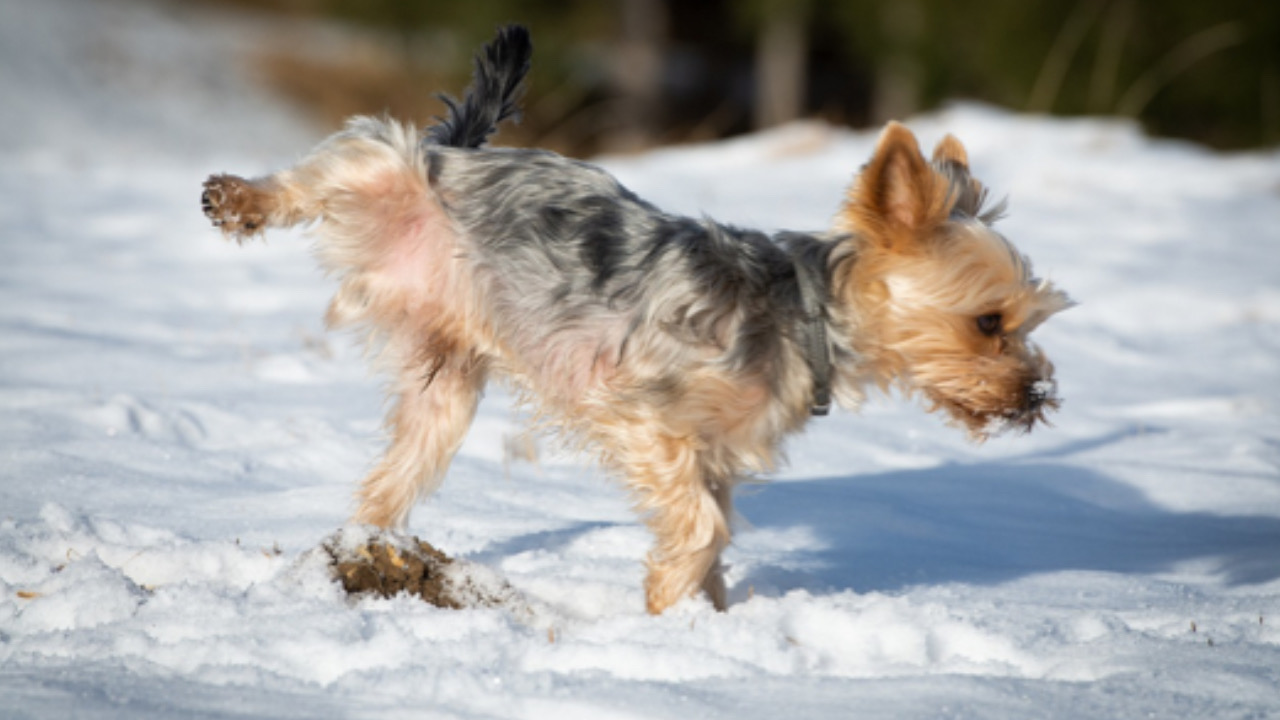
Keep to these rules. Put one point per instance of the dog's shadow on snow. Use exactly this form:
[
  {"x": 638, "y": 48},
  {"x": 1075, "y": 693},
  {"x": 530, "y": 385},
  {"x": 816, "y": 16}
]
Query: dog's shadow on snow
[{"x": 979, "y": 523}]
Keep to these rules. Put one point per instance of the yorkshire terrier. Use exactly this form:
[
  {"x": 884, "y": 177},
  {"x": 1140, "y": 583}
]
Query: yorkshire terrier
[{"x": 681, "y": 349}]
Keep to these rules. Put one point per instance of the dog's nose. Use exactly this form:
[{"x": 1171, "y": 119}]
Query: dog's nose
[
  {"x": 1035, "y": 396},
  {"x": 1038, "y": 392}
]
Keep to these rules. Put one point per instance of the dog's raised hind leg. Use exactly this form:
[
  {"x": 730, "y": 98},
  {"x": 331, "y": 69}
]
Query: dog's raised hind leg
[
  {"x": 348, "y": 165},
  {"x": 238, "y": 207}
]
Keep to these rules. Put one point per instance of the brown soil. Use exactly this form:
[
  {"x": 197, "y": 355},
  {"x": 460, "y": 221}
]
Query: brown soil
[
  {"x": 384, "y": 565},
  {"x": 387, "y": 569}
]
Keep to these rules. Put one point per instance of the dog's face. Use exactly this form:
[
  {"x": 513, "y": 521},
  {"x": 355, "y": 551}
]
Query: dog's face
[{"x": 944, "y": 303}]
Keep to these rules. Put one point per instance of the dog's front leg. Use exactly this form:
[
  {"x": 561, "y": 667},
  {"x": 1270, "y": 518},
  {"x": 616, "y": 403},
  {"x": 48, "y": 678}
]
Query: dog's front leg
[{"x": 688, "y": 514}]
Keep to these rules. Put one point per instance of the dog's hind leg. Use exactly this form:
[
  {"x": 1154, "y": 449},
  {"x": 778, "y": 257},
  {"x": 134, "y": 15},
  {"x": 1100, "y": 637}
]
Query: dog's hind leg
[
  {"x": 346, "y": 165},
  {"x": 383, "y": 233},
  {"x": 436, "y": 399},
  {"x": 242, "y": 208}
]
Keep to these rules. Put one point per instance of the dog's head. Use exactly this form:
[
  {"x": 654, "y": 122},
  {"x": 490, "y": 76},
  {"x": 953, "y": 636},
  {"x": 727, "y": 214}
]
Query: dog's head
[{"x": 942, "y": 303}]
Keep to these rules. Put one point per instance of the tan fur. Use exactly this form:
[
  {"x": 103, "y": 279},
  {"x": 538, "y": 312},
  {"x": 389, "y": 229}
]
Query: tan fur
[{"x": 920, "y": 280}]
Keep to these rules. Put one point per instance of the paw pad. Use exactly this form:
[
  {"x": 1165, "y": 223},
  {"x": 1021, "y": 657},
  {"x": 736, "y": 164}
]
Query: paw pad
[{"x": 231, "y": 204}]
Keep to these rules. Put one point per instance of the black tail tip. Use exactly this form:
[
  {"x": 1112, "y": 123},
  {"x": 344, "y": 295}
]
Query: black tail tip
[
  {"x": 511, "y": 43},
  {"x": 494, "y": 93},
  {"x": 514, "y": 33}
]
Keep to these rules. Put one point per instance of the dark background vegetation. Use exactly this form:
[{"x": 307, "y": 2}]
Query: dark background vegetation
[{"x": 616, "y": 75}]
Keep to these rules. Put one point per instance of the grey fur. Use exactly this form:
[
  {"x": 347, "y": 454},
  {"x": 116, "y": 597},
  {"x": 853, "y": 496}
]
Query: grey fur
[
  {"x": 562, "y": 241},
  {"x": 565, "y": 243},
  {"x": 970, "y": 195}
]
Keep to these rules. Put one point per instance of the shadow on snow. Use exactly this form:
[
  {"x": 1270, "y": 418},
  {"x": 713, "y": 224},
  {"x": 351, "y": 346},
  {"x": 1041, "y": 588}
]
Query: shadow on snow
[{"x": 989, "y": 523}]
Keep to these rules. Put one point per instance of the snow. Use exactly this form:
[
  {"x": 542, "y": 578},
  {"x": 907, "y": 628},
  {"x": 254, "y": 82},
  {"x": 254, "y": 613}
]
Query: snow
[{"x": 178, "y": 435}]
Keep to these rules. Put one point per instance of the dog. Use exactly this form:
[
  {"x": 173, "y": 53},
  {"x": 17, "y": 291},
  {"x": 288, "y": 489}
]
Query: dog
[{"x": 682, "y": 350}]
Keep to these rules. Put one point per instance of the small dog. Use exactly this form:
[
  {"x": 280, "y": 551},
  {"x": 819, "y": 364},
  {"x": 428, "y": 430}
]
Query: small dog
[{"x": 683, "y": 350}]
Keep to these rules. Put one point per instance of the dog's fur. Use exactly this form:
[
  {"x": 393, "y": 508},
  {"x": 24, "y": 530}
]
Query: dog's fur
[{"x": 682, "y": 349}]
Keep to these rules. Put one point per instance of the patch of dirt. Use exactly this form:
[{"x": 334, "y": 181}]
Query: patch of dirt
[
  {"x": 387, "y": 569},
  {"x": 385, "y": 565}
]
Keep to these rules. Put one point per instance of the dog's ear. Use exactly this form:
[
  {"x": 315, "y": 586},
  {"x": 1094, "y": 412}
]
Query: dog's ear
[
  {"x": 968, "y": 194},
  {"x": 898, "y": 198},
  {"x": 950, "y": 150}
]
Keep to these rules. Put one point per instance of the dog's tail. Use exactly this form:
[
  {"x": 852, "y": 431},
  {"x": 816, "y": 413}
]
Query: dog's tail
[{"x": 496, "y": 86}]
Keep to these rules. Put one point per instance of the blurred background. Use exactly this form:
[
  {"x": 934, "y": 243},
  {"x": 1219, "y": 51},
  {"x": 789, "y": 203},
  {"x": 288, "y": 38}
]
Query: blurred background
[{"x": 622, "y": 75}]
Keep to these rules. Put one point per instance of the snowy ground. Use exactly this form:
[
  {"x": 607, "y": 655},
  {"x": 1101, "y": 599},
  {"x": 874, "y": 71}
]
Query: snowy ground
[{"x": 177, "y": 432}]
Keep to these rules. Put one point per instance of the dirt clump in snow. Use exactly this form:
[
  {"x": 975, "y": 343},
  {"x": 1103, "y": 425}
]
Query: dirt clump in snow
[
  {"x": 387, "y": 569},
  {"x": 384, "y": 565}
]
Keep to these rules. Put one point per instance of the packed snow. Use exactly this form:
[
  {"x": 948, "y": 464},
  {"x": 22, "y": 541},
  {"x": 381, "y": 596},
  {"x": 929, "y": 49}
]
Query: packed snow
[{"x": 179, "y": 434}]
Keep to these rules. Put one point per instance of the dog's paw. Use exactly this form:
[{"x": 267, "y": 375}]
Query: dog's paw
[{"x": 233, "y": 206}]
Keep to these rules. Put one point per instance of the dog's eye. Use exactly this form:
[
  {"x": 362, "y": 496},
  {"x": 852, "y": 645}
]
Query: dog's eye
[{"x": 990, "y": 324}]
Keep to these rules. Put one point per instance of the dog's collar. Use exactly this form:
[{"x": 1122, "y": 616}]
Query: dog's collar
[{"x": 813, "y": 336}]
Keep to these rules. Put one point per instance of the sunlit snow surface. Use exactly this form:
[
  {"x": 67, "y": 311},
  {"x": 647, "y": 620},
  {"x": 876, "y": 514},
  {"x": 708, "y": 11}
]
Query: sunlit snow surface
[{"x": 177, "y": 432}]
